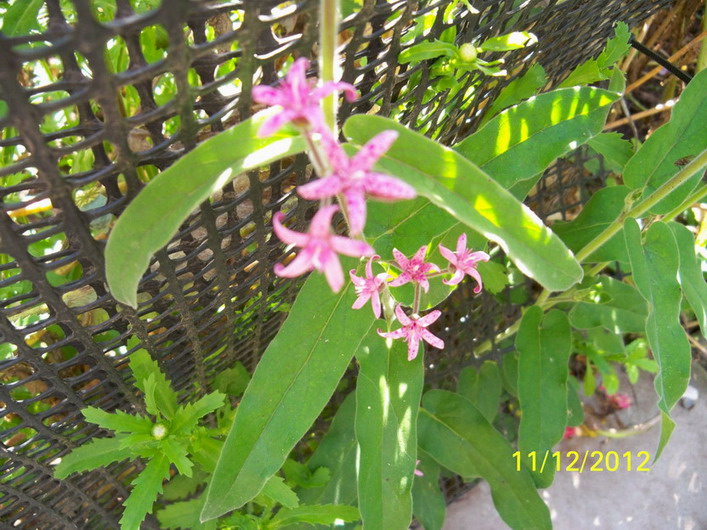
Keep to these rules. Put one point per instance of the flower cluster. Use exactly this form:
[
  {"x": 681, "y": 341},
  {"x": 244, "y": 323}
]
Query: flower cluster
[{"x": 351, "y": 180}]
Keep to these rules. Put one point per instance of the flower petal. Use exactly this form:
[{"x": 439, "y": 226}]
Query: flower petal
[
  {"x": 448, "y": 254},
  {"x": 285, "y": 234},
  {"x": 338, "y": 159},
  {"x": 356, "y": 208},
  {"x": 320, "y": 227},
  {"x": 402, "y": 317},
  {"x": 401, "y": 280},
  {"x": 456, "y": 279},
  {"x": 385, "y": 187},
  {"x": 413, "y": 347},
  {"x": 275, "y": 123},
  {"x": 400, "y": 258},
  {"x": 358, "y": 282},
  {"x": 297, "y": 79},
  {"x": 429, "y": 318},
  {"x": 332, "y": 270},
  {"x": 299, "y": 266},
  {"x": 376, "y": 304},
  {"x": 350, "y": 247},
  {"x": 369, "y": 154},
  {"x": 327, "y": 88},
  {"x": 361, "y": 300},
  {"x": 267, "y": 95},
  {"x": 479, "y": 256},
  {"x": 479, "y": 282},
  {"x": 429, "y": 338},
  {"x": 397, "y": 334},
  {"x": 320, "y": 188},
  {"x": 369, "y": 265},
  {"x": 420, "y": 254},
  {"x": 461, "y": 244}
]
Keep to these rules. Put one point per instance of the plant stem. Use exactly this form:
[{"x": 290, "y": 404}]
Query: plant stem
[
  {"x": 416, "y": 302},
  {"x": 328, "y": 59},
  {"x": 695, "y": 197}
]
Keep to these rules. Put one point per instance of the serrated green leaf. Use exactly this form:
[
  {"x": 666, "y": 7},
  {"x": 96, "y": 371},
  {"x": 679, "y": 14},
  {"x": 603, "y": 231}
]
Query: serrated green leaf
[
  {"x": 429, "y": 503},
  {"x": 458, "y": 436},
  {"x": 154, "y": 216},
  {"x": 617, "y": 47},
  {"x": 522, "y": 141},
  {"x": 314, "y": 514},
  {"x": 620, "y": 308},
  {"x": 187, "y": 416},
  {"x": 276, "y": 489},
  {"x": 655, "y": 264},
  {"x": 453, "y": 183},
  {"x": 150, "y": 386},
  {"x": 602, "y": 209},
  {"x": 162, "y": 397},
  {"x": 388, "y": 392},
  {"x": 99, "y": 452},
  {"x": 301, "y": 476},
  {"x": 494, "y": 275},
  {"x": 519, "y": 89},
  {"x": 544, "y": 345},
  {"x": 691, "y": 279},
  {"x": 142, "y": 444},
  {"x": 176, "y": 451},
  {"x": 510, "y": 41},
  {"x": 117, "y": 421},
  {"x": 659, "y": 158},
  {"x": 21, "y": 17},
  {"x": 614, "y": 148},
  {"x": 482, "y": 387},
  {"x": 181, "y": 487},
  {"x": 586, "y": 73},
  {"x": 288, "y": 390},
  {"x": 145, "y": 489},
  {"x": 337, "y": 452},
  {"x": 233, "y": 381}
]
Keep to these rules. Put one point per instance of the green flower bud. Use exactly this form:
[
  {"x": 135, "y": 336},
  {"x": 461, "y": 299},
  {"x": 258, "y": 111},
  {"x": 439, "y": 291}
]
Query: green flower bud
[
  {"x": 468, "y": 52},
  {"x": 159, "y": 431}
]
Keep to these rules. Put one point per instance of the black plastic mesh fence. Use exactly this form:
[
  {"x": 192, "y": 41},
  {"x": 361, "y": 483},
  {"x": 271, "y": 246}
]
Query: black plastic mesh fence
[{"x": 101, "y": 96}]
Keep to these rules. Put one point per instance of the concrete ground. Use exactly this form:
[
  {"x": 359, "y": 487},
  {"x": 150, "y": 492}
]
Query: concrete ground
[{"x": 672, "y": 495}]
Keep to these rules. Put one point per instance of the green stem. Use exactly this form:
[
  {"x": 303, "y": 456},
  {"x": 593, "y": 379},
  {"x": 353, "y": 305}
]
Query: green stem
[
  {"x": 695, "y": 197},
  {"x": 418, "y": 299},
  {"x": 328, "y": 59}
]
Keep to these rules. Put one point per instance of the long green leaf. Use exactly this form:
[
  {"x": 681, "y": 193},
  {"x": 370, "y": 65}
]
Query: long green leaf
[
  {"x": 602, "y": 209},
  {"x": 522, "y": 141},
  {"x": 21, "y": 17},
  {"x": 117, "y": 421},
  {"x": 146, "y": 487},
  {"x": 142, "y": 365},
  {"x": 517, "y": 90},
  {"x": 99, "y": 452},
  {"x": 184, "y": 514},
  {"x": 314, "y": 514},
  {"x": 482, "y": 387},
  {"x": 612, "y": 304},
  {"x": 655, "y": 264},
  {"x": 453, "y": 183},
  {"x": 188, "y": 416},
  {"x": 337, "y": 452},
  {"x": 388, "y": 391},
  {"x": 154, "y": 216},
  {"x": 294, "y": 380},
  {"x": 458, "y": 436},
  {"x": 544, "y": 346},
  {"x": 659, "y": 158},
  {"x": 429, "y": 503},
  {"x": 691, "y": 278}
]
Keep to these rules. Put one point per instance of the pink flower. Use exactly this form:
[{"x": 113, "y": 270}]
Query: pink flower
[
  {"x": 369, "y": 287},
  {"x": 354, "y": 179},
  {"x": 298, "y": 98},
  {"x": 319, "y": 248},
  {"x": 571, "y": 432},
  {"x": 414, "y": 269},
  {"x": 417, "y": 471},
  {"x": 463, "y": 261},
  {"x": 619, "y": 401},
  {"x": 413, "y": 330}
]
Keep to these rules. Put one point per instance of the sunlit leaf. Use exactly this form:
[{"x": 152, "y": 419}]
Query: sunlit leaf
[
  {"x": 99, "y": 452},
  {"x": 517, "y": 90},
  {"x": 691, "y": 279},
  {"x": 429, "y": 503},
  {"x": 145, "y": 489}
]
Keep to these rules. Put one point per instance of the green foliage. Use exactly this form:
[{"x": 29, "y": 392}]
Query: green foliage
[
  {"x": 314, "y": 514},
  {"x": 690, "y": 275},
  {"x": 388, "y": 392},
  {"x": 154, "y": 216},
  {"x": 146, "y": 487},
  {"x": 544, "y": 346},
  {"x": 429, "y": 503},
  {"x": 453, "y": 183},
  {"x": 521, "y": 88},
  {"x": 482, "y": 387},
  {"x": 457, "y": 436},
  {"x": 615, "y": 150},
  {"x": 21, "y": 17},
  {"x": 655, "y": 264},
  {"x": 660, "y": 157},
  {"x": 289, "y": 389}
]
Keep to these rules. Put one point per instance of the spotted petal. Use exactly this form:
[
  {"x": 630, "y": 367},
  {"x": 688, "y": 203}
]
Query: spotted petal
[
  {"x": 285, "y": 234},
  {"x": 321, "y": 188},
  {"x": 389, "y": 188},
  {"x": 375, "y": 148},
  {"x": 275, "y": 123}
]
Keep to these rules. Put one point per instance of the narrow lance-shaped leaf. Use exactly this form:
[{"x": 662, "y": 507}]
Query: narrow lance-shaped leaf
[
  {"x": 482, "y": 387},
  {"x": 666, "y": 150},
  {"x": 517, "y": 90},
  {"x": 453, "y": 183},
  {"x": 289, "y": 389},
  {"x": 388, "y": 391},
  {"x": 655, "y": 263},
  {"x": 314, "y": 514},
  {"x": 429, "y": 503},
  {"x": 146, "y": 487},
  {"x": 99, "y": 452},
  {"x": 457, "y": 436},
  {"x": 691, "y": 278},
  {"x": 544, "y": 346},
  {"x": 155, "y": 215},
  {"x": 117, "y": 421},
  {"x": 522, "y": 141}
]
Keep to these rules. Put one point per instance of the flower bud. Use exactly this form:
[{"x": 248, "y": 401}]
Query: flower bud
[
  {"x": 467, "y": 52},
  {"x": 159, "y": 431}
]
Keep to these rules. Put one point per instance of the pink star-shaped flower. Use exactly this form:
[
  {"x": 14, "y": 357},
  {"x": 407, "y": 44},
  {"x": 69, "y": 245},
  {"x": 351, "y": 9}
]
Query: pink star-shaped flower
[
  {"x": 413, "y": 330},
  {"x": 319, "y": 248},
  {"x": 299, "y": 99},
  {"x": 369, "y": 287},
  {"x": 414, "y": 269},
  {"x": 462, "y": 262},
  {"x": 619, "y": 401},
  {"x": 354, "y": 178}
]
